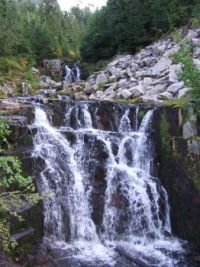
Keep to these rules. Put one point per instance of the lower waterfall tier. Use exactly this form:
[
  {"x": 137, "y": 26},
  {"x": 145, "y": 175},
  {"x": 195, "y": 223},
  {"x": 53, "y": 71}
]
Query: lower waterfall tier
[
  {"x": 99, "y": 165},
  {"x": 133, "y": 219}
]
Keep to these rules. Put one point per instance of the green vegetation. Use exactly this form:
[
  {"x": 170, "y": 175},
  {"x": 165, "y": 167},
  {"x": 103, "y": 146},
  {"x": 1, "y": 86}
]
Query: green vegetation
[
  {"x": 127, "y": 25},
  {"x": 191, "y": 73},
  {"x": 39, "y": 32},
  {"x": 16, "y": 190},
  {"x": 177, "y": 103},
  {"x": 165, "y": 136},
  {"x": 127, "y": 101}
]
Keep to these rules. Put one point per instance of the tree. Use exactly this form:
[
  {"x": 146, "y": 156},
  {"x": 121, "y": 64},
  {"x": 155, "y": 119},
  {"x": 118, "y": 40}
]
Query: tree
[
  {"x": 8, "y": 22},
  {"x": 124, "y": 26},
  {"x": 16, "y": 190}
]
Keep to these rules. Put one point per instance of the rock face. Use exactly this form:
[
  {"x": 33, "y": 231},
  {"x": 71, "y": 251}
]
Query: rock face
[
  {"x": 28, "y": 232},
  {"x": 177, "y": 150},
  {"x": 179, "y": 162},
  {"x": 148, "y": 74}
]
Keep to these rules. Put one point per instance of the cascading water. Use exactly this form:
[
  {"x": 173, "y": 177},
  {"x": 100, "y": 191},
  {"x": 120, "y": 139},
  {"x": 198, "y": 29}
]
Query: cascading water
[
  {"x": 72, "y": 73},
  {"x": 135, "y": 210}
]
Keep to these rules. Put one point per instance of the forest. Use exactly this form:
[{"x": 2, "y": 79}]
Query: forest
[{"x": 43, "y": 31}]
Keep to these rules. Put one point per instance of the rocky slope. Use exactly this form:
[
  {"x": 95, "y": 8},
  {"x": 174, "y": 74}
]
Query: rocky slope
[{"x": 150, "y": 76}]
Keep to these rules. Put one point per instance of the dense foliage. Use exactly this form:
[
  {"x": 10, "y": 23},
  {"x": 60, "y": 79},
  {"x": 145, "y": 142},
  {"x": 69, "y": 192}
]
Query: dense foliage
[
  {"x": 128, "y": 25},
  {"x": 40, "y": 32},
  {"x": 16, "y": 190}
]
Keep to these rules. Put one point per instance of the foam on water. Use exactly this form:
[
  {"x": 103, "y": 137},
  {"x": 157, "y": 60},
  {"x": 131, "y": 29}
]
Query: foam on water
[{"x": 133, "y": 220}]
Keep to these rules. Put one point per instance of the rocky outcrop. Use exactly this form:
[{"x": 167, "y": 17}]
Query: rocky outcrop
[
  {"x": 178, "y": 168},
  {"x": 175, "y": 133},
  {"x": 148, "y": 76}
]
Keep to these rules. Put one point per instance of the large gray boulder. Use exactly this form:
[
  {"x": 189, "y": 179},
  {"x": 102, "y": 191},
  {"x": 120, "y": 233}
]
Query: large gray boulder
[
  {"x": 161, "y": 65},
  {"x": 190, "y": 129},
  {"x": 175, "y": 87},
  {"x": 101, "y": 78},
  {"x": 125, "y": 94}
]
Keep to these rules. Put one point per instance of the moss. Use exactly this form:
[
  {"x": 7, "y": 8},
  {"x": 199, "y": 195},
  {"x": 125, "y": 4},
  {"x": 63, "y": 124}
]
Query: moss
[
  {"x": 165, "y": 137},
  {"x": 141, "y": 114},
  {"x": 177, "y": 103},
  {"x": 102, "y": 86},
  {"x": 31, "y": 78},
  {"x": 127, "y": 101},
  {"x": 2, "y": 94},
  {"x": 10, "y": 63}
]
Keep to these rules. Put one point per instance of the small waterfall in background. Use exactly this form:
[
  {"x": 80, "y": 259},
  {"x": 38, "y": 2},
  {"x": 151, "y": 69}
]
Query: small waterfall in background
[
  {"x": 132, "y": 227},
  {"x": 72, "y": 73}
]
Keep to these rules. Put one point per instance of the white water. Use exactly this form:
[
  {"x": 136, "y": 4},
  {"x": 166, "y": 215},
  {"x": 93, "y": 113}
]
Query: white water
[
  {"x": 72, "y": 74},
  {"x": 66, "y": 184},
  {"x": 132, "y": 218}
]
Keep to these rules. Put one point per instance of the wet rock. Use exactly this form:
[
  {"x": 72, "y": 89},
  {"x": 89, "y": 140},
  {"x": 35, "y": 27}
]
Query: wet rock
[
  {"x": 189, "y": 129},
  {"x": 6, "y": 261}
]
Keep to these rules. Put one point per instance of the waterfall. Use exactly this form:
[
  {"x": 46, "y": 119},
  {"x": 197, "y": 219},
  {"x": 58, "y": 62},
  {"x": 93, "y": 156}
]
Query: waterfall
[
  {"x": 72, "y": 73},
  {"x": 133, "y": 217},
  {"x": 62, "y": 178}
]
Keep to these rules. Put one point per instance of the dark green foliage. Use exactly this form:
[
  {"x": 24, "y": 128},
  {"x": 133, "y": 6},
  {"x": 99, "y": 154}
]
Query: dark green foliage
[
  {"x": 16, "y": 190},
  {"x": 127, "y": 25},
  {"x": 40, "y": 32}
]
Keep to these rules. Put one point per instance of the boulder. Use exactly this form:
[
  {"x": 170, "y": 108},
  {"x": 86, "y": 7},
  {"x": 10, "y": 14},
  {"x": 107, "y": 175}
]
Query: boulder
[
  {"x": 197, "y": 62},
  {"x": 112, "y": 79},
  {"x": 197, "y": 52},
  {"x": 150, "y": 100},
  {"x": 192, "y": 34},
  {"x": 147, "y": 82},
  {"x": 93, "y": 97},
  {"x": 157, "y": 89},
  {"x": 161, "y": 65},
  {"x": 165, "y": 96},
  {"x": 80, "y": 96},
  {"x": 174, "y": 70},
  {"x": 189, "y": 129},
  {"x": 88, "y": 88},
  {"x": 47, "y": 80},
  {"x": 174, "y": 49},
  {"x": 136, "y": 91},
  {"x": 99, "y": 94},
  {"x": 183, "y": 92},
  {"x": 125, "y": 94},
  {"x": 134, "y": 66},
  {"x": 8, "y": 89},
  {"x": 163, "y": 80},
  {"x": 52, "y": 66},
  {"x": 101, "y": 78},
  {"x": 35, "y": 71},
  {"x": 175, "y": 87}
]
